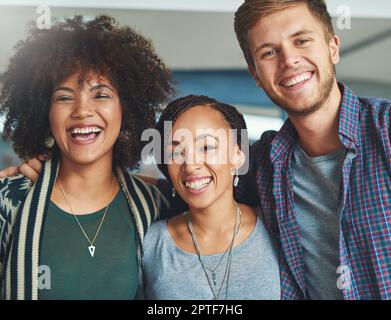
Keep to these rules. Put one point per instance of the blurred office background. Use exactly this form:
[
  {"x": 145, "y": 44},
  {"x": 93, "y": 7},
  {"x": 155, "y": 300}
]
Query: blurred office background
[{"x": 196, "y": 40}]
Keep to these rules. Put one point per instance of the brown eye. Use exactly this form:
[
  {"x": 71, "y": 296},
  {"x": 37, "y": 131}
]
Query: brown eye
[
  {"x": 63, "y": 99},
  {"x": 207, "y": 148},
  {"x": 102, "y": 96}
]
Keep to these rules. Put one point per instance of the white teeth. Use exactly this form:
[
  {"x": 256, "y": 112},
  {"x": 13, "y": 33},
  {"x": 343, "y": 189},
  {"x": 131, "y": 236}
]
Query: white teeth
[
  {"x": 86, "y": 130},
  {"x": 199, "y": 184},
  {"x": 300, "y": 78}
]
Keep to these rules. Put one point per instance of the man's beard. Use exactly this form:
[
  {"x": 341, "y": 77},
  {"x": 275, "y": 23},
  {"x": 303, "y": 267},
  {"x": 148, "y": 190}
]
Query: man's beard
[{"x": 325, "y": 91}]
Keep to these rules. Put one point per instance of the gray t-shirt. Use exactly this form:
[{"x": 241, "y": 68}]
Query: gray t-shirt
[
  {"x": 172, "y": 273},
  {"x": 317, "y": 186}
]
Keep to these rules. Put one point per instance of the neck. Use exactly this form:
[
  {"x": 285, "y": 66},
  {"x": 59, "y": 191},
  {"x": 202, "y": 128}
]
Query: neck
[
  {"x": 318, "y": 131},
  {"x": 218, "y": 217},
  {"x": 92, "y": 182}
]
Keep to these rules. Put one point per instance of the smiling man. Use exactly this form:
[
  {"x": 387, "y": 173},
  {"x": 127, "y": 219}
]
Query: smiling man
[{"x": 324, "y": 180}]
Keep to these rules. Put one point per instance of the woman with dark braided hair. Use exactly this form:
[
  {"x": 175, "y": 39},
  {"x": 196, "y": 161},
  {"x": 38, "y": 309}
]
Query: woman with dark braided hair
[
  {"x": 217, "y": 249},
  {"x": 84, "y": 91}
]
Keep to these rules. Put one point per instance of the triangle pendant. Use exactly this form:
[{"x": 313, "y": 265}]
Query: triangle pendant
[{"x": 91, "y": 248}]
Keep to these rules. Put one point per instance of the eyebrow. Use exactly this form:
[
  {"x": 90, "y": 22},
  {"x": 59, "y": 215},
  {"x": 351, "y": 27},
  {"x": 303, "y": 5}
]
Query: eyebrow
[
  {"x": 200, "y": 137},
  {"x": 301, "y": 32},
  {"x": 296, "y": 34},
  {"x": 101, "y": 86},
  {"x": 97, "y": 87},
  {"x": 206, "y": 135},
  {"x": 63, "y": 89}
]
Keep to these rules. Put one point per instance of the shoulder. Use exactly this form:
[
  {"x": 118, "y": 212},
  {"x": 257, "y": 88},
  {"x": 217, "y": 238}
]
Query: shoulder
[
  {"x": 264, "y": 142},
  {"x": 162, "y": 233},
  {"x": 375, "y": 121},
  {"x": 260, "y": 150},
  {"x": 260, "y": 154},
  {"x": 375, "y": 103},
  {"x": 173, "y": 227},
  {"x": 253, "y": 221},
  {"x": 155, "y": 236},
  {"x": 156, "y": 228},
  {"x": 149, "y": 190},
  {"x": 376, "y": 109},
  {"x": 264, "y": 238},
  {"x": 268, "y": 136},
  {"x": 145, "y": 195},
  {"x": 144, "y": 188},
  {"x": 13, "y": 191},
  {"x": 160, "y": 204},
  {"x": 16, "y": 184}
]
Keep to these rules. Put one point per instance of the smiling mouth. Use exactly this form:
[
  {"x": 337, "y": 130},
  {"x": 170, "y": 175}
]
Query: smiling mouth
[
  {"x": 198, "y": 185},
  {"x": 85, "y": 134},
  {"x": 296, "y": 81}
]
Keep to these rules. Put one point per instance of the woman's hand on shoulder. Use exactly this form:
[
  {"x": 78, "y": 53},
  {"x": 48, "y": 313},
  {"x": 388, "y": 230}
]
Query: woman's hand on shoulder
[
  {"x": 9, "y": 172},
  {"x": 30, "y": 169}
]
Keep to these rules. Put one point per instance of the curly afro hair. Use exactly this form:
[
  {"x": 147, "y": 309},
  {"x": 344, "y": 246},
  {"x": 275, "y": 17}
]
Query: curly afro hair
[{"x": 47, "y": 57}]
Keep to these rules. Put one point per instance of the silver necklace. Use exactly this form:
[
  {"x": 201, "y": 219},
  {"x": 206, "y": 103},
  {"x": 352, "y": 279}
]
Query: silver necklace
[
  {"x": 229, "y": 260},
  {"x": 91, "y": 247},
  {"x": 212, "y": 270}
]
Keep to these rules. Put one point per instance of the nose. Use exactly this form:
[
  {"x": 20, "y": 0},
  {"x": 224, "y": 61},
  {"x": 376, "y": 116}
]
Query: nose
[
  {"x": 191, "y": 168},
  {"x": 82, "y": 108},
  {"x": 289, "y": 57},
  {"x": 192, "y": 162}
]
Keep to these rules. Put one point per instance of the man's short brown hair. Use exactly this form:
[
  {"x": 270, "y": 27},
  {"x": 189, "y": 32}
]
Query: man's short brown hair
[{"x": 251, "y": 11}]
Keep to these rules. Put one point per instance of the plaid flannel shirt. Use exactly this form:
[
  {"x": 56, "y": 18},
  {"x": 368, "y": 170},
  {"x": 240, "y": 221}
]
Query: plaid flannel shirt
[{"x": 365, "y": 203}]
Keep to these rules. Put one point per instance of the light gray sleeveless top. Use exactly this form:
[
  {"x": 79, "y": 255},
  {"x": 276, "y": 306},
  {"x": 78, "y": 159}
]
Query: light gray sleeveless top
[{"x": 172, "y": 273}]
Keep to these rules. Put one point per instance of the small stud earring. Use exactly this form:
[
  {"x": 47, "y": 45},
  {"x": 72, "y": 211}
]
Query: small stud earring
[
  {"x": 49, "y": 142},
  {"x": 173, "y": 192}
]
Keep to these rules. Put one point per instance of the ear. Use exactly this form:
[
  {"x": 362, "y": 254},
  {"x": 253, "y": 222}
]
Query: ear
[
  {"x": 238, "y": 158},
  {"x": 334, "y": 46},
  {"x": 254, "y": 74}
]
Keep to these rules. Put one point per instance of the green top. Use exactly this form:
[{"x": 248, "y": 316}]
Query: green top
[{"x": 66, "y": 265}]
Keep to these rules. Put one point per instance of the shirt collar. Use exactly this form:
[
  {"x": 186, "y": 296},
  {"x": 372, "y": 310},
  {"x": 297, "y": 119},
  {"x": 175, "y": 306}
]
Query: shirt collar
[
  {"x": 285, "y": 139},
  {"x": 349, "y": 118}
]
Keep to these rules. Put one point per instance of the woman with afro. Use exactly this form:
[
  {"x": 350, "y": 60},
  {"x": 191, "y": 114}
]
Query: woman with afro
[{"x": 83, "y": 91}]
